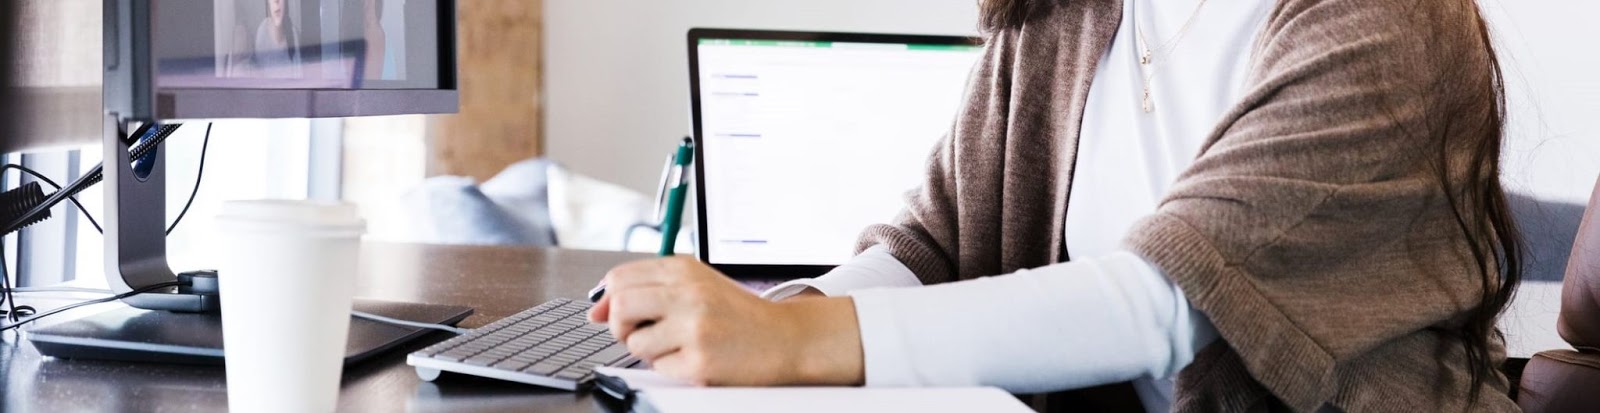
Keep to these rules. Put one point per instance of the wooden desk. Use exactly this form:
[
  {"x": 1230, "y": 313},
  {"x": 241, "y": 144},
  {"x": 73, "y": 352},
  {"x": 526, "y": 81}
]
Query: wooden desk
[{"x": 496, "y": 281}]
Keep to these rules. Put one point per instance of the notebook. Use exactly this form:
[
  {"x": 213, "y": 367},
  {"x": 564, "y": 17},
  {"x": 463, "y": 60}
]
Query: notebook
[{"x": 656, "y": 393}]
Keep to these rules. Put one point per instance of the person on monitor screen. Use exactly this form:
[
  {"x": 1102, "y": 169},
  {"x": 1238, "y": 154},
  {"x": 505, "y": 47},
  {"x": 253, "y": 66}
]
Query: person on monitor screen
[
  {"x": 377, "y": 61},
  {"x": 240, "y": 58},
  {"x": 1237, "y": 206},
  {"x": 277, "y": 42}
]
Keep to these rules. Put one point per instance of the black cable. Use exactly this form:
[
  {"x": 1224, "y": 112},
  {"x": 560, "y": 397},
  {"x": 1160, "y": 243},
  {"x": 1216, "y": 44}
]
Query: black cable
[
  {"x": 408, "y": 323},
  {"x": 199, "y": 174},
  {"x": 12, "y": 311},
  {"x": 146, "y": 289},
  {"x": 94, "y": 176},
  {"x": 41, "y": 178}
]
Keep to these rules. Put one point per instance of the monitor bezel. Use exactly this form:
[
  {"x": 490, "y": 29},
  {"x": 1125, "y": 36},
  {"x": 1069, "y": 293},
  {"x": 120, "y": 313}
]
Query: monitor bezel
[
  {"x": 208, "y": 103},
  {"x": 770, "y": 271}
]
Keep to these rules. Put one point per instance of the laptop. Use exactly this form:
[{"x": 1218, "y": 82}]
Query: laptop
[{"x": 804, "y": 139}]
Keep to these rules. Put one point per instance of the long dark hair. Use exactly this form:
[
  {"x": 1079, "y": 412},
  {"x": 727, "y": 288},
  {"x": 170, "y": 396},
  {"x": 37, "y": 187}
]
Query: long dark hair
[
  {"x": 286, "y": 28},
  {"x": 1004, "y": 14},
  {"x": 1481, "y": 211},
  {"x": 1484, "y": 215}
]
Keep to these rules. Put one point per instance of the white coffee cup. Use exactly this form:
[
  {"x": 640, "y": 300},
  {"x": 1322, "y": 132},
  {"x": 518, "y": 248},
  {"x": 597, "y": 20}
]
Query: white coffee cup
[{"x": 286, "y": 276}]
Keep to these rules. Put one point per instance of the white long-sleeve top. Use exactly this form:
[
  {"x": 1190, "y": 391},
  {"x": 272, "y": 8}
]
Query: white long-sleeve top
[{"x": 1108, "y": 315}]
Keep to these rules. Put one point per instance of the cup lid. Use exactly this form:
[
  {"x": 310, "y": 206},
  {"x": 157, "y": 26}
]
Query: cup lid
[{"x": 293, "y": 212}]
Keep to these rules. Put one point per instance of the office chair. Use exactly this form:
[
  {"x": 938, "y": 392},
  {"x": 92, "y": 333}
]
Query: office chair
[{"x": 1568, "y": 380}]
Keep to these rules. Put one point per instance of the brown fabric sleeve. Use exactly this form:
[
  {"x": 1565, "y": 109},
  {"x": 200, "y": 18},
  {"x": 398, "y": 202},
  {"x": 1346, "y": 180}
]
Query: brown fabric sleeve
[
  {"x": 927, "y": 234},
  {"x": 1311, "y": 228},
  {"x": 924, "y": 235},
  {"x": 996, "y": 189}
]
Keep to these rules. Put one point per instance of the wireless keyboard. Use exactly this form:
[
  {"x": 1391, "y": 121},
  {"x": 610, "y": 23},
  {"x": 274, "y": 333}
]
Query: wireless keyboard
[{"x": 551, "y": 345}]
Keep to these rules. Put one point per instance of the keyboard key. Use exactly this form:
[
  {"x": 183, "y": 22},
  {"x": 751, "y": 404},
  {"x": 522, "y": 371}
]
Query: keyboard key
[
  {"x": 585, "y": 366},
  {"x": 453, "y": 355},
  {"x": 611, "y": 354},
  {"x": 571, "y": 374},
  {"x": 481, "y": 360},
  {"x": 511, "y": 365},
  {"x": 527, "y": 358},
  {"x": 544, "y": 368}
]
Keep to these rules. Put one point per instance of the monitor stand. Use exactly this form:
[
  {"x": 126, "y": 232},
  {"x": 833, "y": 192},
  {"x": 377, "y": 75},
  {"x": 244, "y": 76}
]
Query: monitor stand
[
  {"x": 131, "y": 334},
  {"x": 136, "y": 229}
]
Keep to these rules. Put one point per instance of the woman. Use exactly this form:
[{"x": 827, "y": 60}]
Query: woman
[
  {"x": 1290, "y": 205},
  {"x": 277, "y": 42}
]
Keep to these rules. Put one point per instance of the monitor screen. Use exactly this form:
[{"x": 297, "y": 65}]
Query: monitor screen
[
  {"x": 298, "y": 44},
  {"x": 806, "y": 143}
]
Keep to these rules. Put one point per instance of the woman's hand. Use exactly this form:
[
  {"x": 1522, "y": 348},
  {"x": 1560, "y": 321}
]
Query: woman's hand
[{"x": 692, "y": 323}]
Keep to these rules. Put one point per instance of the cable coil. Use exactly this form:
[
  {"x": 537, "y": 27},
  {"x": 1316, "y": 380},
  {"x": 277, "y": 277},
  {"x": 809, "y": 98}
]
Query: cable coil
[{"x": 16, "y": 202}]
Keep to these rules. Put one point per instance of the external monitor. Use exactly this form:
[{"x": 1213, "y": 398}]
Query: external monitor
[
  {"x": 303, "y": 58},
  {"x": 168, "y": 61},
  {"x": 214, "y": 59},
  {"x": 805, "y": 139}
]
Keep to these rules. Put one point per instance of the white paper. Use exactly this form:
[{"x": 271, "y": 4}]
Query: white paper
[{"x": 667, "y": 395}]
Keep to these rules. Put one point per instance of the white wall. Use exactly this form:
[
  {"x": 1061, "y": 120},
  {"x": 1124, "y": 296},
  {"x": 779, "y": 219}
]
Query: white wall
[
  {"x": 617, "y": 72},
  {"x": 616, "y": 77},
  {"x": 1554, "y": 147},
  {"x": 1553, "y": 86}
]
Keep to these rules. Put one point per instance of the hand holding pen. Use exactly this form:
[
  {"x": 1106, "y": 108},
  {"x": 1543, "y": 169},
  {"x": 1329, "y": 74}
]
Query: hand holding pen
[{"x": 672, "y": 221}]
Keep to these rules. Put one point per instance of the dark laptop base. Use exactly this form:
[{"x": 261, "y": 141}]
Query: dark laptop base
[{"x": 131, "y": 334}]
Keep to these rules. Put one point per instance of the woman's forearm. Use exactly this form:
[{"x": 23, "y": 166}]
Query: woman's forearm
[
  {"x": 1093, "y": 321},
  {"x": 827, "y": 341}
]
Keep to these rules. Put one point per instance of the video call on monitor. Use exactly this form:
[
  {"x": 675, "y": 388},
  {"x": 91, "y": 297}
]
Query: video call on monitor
[{"x": 298, "y": 44}]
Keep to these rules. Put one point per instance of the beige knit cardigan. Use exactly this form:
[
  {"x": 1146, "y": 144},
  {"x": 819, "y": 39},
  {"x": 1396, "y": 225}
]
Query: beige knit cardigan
[{"x": 1311, "y": 227}]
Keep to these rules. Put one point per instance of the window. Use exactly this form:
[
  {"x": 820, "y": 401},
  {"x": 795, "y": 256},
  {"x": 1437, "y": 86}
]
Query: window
[{"x": 246, "y": 159}]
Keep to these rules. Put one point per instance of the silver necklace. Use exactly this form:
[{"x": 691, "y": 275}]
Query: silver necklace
[{"x": 1147, "y": 56}]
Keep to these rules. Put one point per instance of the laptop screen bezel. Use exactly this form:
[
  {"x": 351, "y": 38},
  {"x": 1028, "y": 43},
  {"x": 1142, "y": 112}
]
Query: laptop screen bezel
[{"x": 770, "y": 271}]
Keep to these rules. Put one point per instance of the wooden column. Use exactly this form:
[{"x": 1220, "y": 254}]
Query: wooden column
[{"x": 500, "y": 73}]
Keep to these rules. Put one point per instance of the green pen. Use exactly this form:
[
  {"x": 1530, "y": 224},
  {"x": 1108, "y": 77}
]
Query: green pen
[{"x": 672, "y": 221}]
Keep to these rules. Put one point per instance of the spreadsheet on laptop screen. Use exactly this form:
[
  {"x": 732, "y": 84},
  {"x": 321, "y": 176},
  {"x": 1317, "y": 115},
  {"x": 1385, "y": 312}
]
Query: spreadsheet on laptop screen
[{"x": 807, "y": 143}]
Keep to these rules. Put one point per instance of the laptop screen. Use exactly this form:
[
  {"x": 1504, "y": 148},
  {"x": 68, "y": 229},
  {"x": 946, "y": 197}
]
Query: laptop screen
[{"x": 806, "y": 143}]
